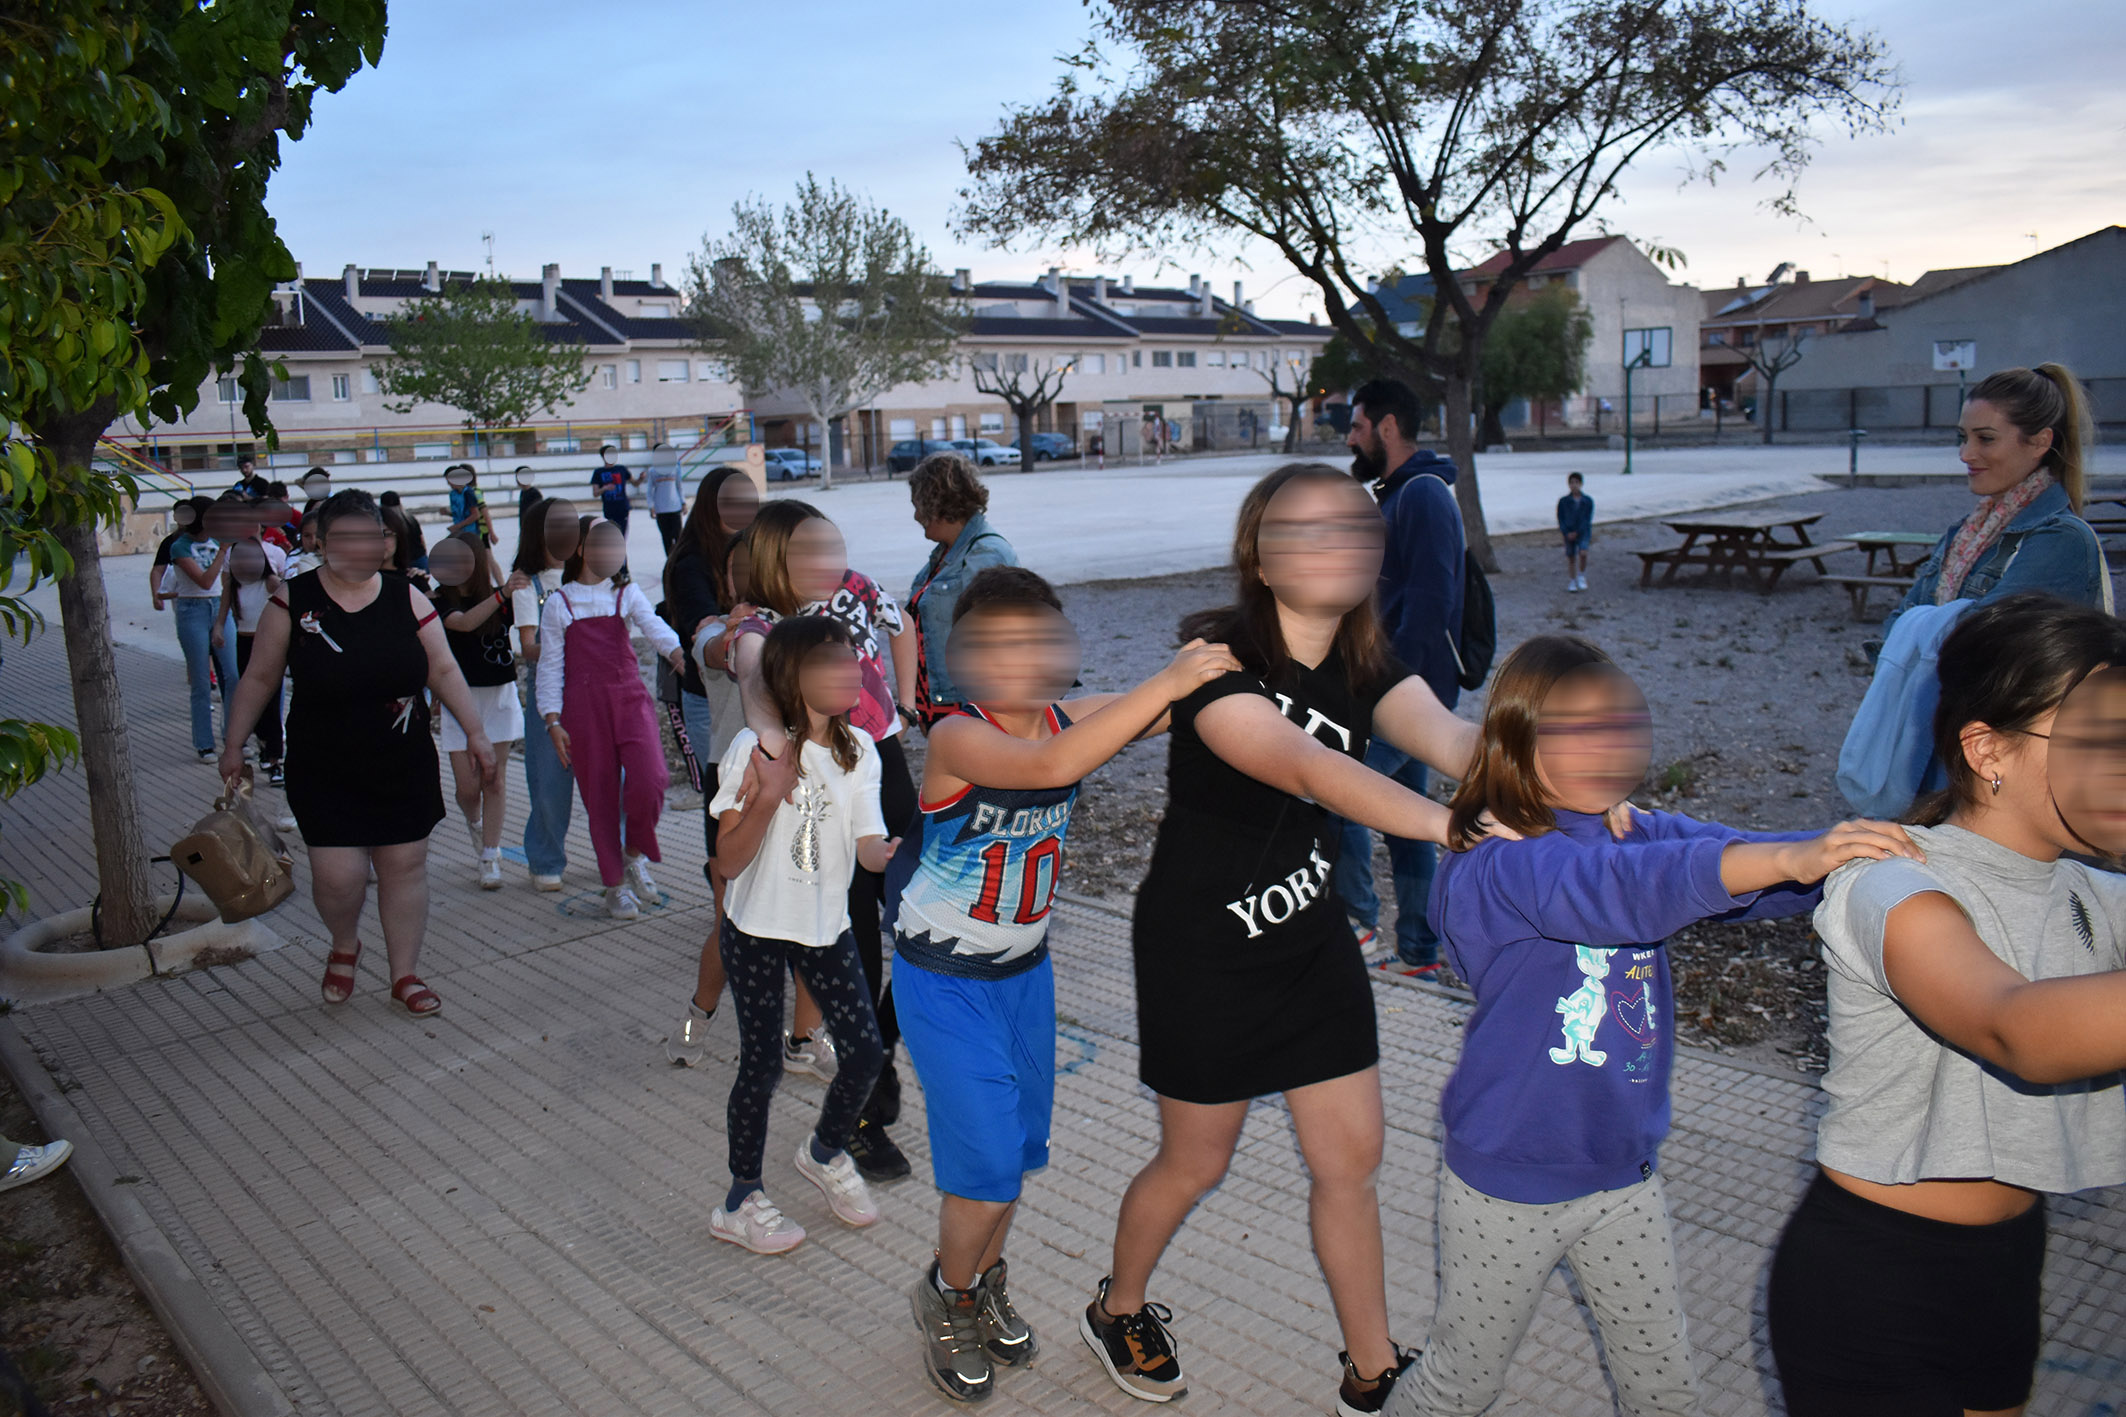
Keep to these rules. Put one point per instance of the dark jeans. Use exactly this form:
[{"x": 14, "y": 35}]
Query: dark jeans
[
  {"x": 668, "y": 524},
  {"x": 754, "y": 969},
  {"x": 1413, "y": 863},
  {"x": 268, "y": 731}
]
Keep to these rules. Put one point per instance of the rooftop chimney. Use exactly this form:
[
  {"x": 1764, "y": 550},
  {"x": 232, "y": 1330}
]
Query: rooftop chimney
[
  {"x": 353, "y": 280},
  {"x": 433, "y": 280},
  {"x": 1249, "y": 307},
  {"x": 1053, "y": 278},
  {"x": 963, "y": 279},
  {"x": 1129, "y": 285},
  {"x": 605, "y": 282},
  {"x": 549, "y": 291},
  {"x": 1867, "y": 305},
  {"x": 1741, "y": 284},
  {"x": 1801, "y": 277},
  {"x": 1100, "y": 289},
  {"x": 1238, "y": 299},
  {"x": 657, "y": 274},
  {"x": 1195, "y": 285},
  {"x": 1062, "y": 288}
]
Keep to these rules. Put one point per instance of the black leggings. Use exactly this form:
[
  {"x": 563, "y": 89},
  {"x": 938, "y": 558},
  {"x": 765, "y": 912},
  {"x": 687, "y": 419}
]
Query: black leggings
[
  {"x": 1878, "y": 1313},
  {"x": 754, "y": 970},
  {"x": 867, "y": 888},
  {"x": 668, "y": 529}
]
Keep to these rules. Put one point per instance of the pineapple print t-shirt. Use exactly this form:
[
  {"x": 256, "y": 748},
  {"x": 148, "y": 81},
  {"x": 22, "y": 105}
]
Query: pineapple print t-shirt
[{"x": 796, "y": 888}]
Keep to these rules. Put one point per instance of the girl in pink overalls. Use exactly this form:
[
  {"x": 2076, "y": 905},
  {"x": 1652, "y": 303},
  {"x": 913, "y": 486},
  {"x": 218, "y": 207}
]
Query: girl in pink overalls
[{"x": 599, "y": 714}]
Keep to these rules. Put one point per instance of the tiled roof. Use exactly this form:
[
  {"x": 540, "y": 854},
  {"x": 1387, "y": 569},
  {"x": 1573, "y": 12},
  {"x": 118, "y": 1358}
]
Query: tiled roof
[
  {"x": 1569, "y": 257},
  {"x": 1006, "y": 325},
  {"x": 1935, "y": 282},
  {"x": 312, "y": 338},
  {"x": 1835, "y": 299}
]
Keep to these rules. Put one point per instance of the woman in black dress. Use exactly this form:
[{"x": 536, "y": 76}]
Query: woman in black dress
[
  {"x": 1249, "y": 979},
  {"x": 363, "y": 781}
]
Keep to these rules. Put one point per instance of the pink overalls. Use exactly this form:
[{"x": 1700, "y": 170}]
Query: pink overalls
[{"x": 614, "y": 751}]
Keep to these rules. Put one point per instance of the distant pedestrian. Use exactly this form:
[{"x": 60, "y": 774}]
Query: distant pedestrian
[
  {"x": 1576, "y": 525},
  {"x": 667, "y": 493},
  {"x": 952, "y": 508},
  {"x": 599, "y": 715},
  {"x": 1421, "y": 611},
  {"x": 192, "y": 582},
  {"x": 528, "y": 493},
  {"x": 255, "y": 574},
  {"x": 468, "y": 509},
  {"x": 364, "y": 649},
  {"x": 547, "y": 536},
  {"x": 250, "y": 484},
  {"x": 184, "y": 520},
  {"x": 610, "y": 480},
  {"x": 476, "y": 622}
]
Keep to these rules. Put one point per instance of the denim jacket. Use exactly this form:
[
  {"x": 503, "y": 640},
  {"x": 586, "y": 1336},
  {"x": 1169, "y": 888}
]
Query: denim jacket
[
  {"x": 936, "y": 589},
  {"x": 2047, "y": 547}
]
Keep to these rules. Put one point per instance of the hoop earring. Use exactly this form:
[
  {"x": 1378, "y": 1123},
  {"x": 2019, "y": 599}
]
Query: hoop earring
[{"x": 1996, "y": 784}]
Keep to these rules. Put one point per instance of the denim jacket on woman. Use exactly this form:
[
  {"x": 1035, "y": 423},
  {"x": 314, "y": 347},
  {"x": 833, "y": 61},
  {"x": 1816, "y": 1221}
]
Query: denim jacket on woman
[
  {"x": 937, "y": 588},
  {"x": 2047, "y": 547}
]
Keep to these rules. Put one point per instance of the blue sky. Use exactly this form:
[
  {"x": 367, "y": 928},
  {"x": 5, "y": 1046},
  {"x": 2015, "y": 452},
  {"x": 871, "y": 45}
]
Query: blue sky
[{"x": 618, "y": 133}]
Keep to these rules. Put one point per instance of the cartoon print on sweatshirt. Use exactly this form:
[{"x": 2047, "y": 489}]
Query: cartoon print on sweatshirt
[
  {"x": 1584, "y": 1010},
  {"x": 1633, "y": 1004}
]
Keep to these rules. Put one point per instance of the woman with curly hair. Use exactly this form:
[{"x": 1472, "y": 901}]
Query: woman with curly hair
[{"x": 951, "y": 506}]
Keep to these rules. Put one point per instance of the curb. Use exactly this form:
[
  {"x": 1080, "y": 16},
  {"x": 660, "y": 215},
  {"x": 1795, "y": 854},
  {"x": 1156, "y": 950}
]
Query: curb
[{"x": 233, "y": 1378}]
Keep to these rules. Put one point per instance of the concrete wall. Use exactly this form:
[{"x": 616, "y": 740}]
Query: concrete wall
[{"x": 1624, "y": 290}]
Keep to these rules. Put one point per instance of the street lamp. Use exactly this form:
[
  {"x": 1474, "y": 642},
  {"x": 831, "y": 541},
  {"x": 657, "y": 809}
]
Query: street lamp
[{"x": 1643, "y": 359}]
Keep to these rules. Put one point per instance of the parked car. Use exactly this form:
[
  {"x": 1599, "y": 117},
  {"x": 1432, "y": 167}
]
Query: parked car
[
  {"x": 789, "y": 464},
  {"x": 984, "y": 452},
  {"x": 1047, "y": 447},
  {"x": 904, "y": 455}
]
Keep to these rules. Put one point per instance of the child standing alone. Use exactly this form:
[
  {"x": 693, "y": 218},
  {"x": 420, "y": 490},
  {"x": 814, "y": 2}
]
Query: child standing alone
[
  {"x": 1554, "y": 1116},
  {"x": 792, "y": 830},
  {"x": 1576, "y": 525}
]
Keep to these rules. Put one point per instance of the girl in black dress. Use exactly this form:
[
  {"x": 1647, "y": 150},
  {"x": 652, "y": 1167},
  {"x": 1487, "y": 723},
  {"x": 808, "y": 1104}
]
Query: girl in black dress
[
  {"x": 1249, "y": 979},
  {"x": 363, "y": 782}
]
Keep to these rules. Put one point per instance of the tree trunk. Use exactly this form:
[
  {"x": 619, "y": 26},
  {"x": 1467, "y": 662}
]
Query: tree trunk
[
  {"x": 1461, "y": 450},
  {"x": 826, "y": 449},
  {"x": 1764, "y": 407},
  {"x": 1291, "y": 432},
  {"x": 1026, "y": 411},
  {"x": 99, "y": 713}
]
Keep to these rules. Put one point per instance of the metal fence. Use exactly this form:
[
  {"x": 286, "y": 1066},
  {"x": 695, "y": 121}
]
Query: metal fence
[{"x": 1911, "y": 407}]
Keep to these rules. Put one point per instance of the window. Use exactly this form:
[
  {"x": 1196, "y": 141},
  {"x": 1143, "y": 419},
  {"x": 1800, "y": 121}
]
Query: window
[
  {"x": 656, "y": 310},
  {"x": 634, "y": 374},
  {"x": 985, "y": 360},
  {"x": 959, "y": 425},
  {"x": 376, "y": 455},
  {"x": 1716, "y": 337},
  {"x": 292, "y": 390},
  {"x": 369, "y": 383},
  {"x": 899, "y": 428},
  {"x": 1749, "y": 339},
  {"x": 1092, "y": 364},
  {"x": 608, "y": 376},
  {"x": 342, "y": 388},
  {"x": 559, "y": 445},
  {"x": 635, "y": 442},
  {"x": 672, "y": 371},
  {"x": 712, "y": 371},
  {"x": 992, "y": 423},
  {"x": 937, "y": 429},
  {"x": 433, "y": 450},
  {"x": 1186, "y": 359},
  {"x": 1215, "y": 359},
  {"x": 225, "y": 391},
  {"x": 1162, "y": 359},
  {"x": 682, "y": 437},
  {"x": 1649, "y": 349},
  {"x": 1015, "y": 363},
  {"x": 1136, "y": 359}
]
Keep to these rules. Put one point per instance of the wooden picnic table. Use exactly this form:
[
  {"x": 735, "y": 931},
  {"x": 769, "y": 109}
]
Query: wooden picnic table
[
  {"x": 2106, "y": 523},
  {"x": 1747, "y": 541},
  {"x": 1905, "y": 551}
]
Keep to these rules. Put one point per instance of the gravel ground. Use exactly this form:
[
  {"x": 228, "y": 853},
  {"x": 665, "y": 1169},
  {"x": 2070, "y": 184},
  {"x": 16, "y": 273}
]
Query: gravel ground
[{"x": 1751, "y": 696}]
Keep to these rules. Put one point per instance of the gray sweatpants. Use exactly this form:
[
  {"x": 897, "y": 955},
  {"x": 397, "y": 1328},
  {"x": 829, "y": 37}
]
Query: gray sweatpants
[{"x": 1494, "y": 1257}]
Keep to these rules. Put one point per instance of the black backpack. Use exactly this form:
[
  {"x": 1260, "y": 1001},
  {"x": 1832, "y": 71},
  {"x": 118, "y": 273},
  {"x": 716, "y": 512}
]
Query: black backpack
[{"x": 1479, "y": 640}]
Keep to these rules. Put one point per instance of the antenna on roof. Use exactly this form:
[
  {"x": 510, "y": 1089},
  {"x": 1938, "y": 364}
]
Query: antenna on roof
[
  {"x": 2033, "y": 241},
  {"x": 489, "y": 238}
]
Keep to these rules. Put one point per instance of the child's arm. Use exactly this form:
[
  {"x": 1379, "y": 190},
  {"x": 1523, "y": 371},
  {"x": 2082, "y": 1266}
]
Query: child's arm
[
  {"x": 1747, "y": 866},
  {"x": 740, "y": 831},
  {"x": 873, "y": 852},
  {"x": 753, "y": 694},
  {"x": 1411, "y": 717},
  {"x": 651, "y": 626},
  {"x": 2044, "y": 1031},
  {"x": 473, "y": 616},
  {"x": 973, "y": 751},
  {"x": 1248, "y": 733},
  {"x": 223, "y": 608}
]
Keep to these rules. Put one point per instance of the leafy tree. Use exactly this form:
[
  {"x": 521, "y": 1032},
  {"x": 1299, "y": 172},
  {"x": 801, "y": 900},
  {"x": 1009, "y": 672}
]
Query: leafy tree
[
  {"x": 1326, "y": 127},
  {"x": 1770, "y": 358},
  {"x": 1026, "y": 387},
  {"x": 1537, "y": 351},
  {"x": 831, "y": 298},
  {"x": 163, "y": 119},
  {"x": 471, "y": 349}
]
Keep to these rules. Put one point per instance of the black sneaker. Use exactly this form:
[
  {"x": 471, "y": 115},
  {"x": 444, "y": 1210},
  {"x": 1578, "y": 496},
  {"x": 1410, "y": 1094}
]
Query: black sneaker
[
  {"x": 1136, "y": 1349},
  {"x": 1360, "y": 1397},
  {"x": 884, "y": 1105},
  {"x": 875, "y": 1155},
  {"x": 275, "y": 774}
]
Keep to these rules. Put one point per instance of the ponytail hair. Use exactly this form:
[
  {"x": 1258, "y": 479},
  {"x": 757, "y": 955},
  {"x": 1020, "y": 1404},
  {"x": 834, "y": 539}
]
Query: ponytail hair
[{"x": 2048, "y": 396}]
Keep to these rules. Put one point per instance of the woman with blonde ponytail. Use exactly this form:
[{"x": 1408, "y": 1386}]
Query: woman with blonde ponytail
[{"x": 2024, "y": 441}]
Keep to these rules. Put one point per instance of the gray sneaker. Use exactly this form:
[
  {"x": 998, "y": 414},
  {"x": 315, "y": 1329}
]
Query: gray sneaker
[
  {"x": 952, "y": 1339},
  {"x": 1008, "y": 1338}
]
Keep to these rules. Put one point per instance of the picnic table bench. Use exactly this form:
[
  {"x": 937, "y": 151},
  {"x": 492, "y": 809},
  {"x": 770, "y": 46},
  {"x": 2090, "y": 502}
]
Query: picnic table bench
[
  {"x": 1747, "y": 541},
  {"x": 2106, "y": 523},
  {"x": 1904, "y": 550}
]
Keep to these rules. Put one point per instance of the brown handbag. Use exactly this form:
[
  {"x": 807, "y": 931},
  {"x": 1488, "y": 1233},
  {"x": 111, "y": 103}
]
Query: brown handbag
[{"x": 236, "y": 857}]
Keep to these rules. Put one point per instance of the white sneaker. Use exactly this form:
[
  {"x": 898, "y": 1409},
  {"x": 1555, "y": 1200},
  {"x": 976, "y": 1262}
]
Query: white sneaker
[
  {"x": 1579, "y": 582},
  {"x": 491, "y": 873},
  {"x": 620, "y": 903},
  {"x": 638, "y": 876},
  {"x": 814, "y": 1057},
  {"x": 847, "y": 1195},
  {"x": 688, "y": 1044},
  {"x": 34, "y": 1161},
  {"x": 546, "y": 883},
  {"x": 758, "y": 1227},
  {"x": 479, "y": 838}
]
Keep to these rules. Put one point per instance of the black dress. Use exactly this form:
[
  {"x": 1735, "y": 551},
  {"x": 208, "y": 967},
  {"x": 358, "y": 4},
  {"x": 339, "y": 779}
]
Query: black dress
[
  {"x": 362, "y": 767},
  {"x": 1249, "y": 978}
]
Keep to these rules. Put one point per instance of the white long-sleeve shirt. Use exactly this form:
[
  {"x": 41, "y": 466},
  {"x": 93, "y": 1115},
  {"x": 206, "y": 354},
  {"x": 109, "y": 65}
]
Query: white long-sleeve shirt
[{"x": 577, "y": 601}]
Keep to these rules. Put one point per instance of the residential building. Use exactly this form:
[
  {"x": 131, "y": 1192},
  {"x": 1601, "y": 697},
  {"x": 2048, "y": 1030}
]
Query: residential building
[{"x": 1763, "y": 321}]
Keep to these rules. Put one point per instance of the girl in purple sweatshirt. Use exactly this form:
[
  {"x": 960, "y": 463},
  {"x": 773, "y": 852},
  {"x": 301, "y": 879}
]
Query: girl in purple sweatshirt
[{"x": 1555, "y": 1114}]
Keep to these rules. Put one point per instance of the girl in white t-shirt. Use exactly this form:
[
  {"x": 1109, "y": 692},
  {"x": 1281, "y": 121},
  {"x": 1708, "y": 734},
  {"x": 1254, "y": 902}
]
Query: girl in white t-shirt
[{"x": 791, "y": 831}]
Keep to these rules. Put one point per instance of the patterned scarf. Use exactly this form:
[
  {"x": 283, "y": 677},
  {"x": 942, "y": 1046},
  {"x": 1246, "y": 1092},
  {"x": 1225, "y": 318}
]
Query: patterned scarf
[{"x": 1982, "y": 528}]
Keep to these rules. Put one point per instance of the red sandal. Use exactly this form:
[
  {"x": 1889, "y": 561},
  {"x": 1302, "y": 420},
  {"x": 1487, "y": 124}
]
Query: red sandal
[
  {"x": 340, "y": 967},
  {"x": 415, "y": 997}
]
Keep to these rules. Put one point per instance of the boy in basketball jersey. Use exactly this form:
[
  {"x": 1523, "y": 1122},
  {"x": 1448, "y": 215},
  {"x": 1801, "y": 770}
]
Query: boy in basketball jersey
[{"x": 975, "y": 992}]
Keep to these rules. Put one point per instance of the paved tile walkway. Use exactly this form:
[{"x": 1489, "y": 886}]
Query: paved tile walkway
[{"x": 503, "y": 1209}]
